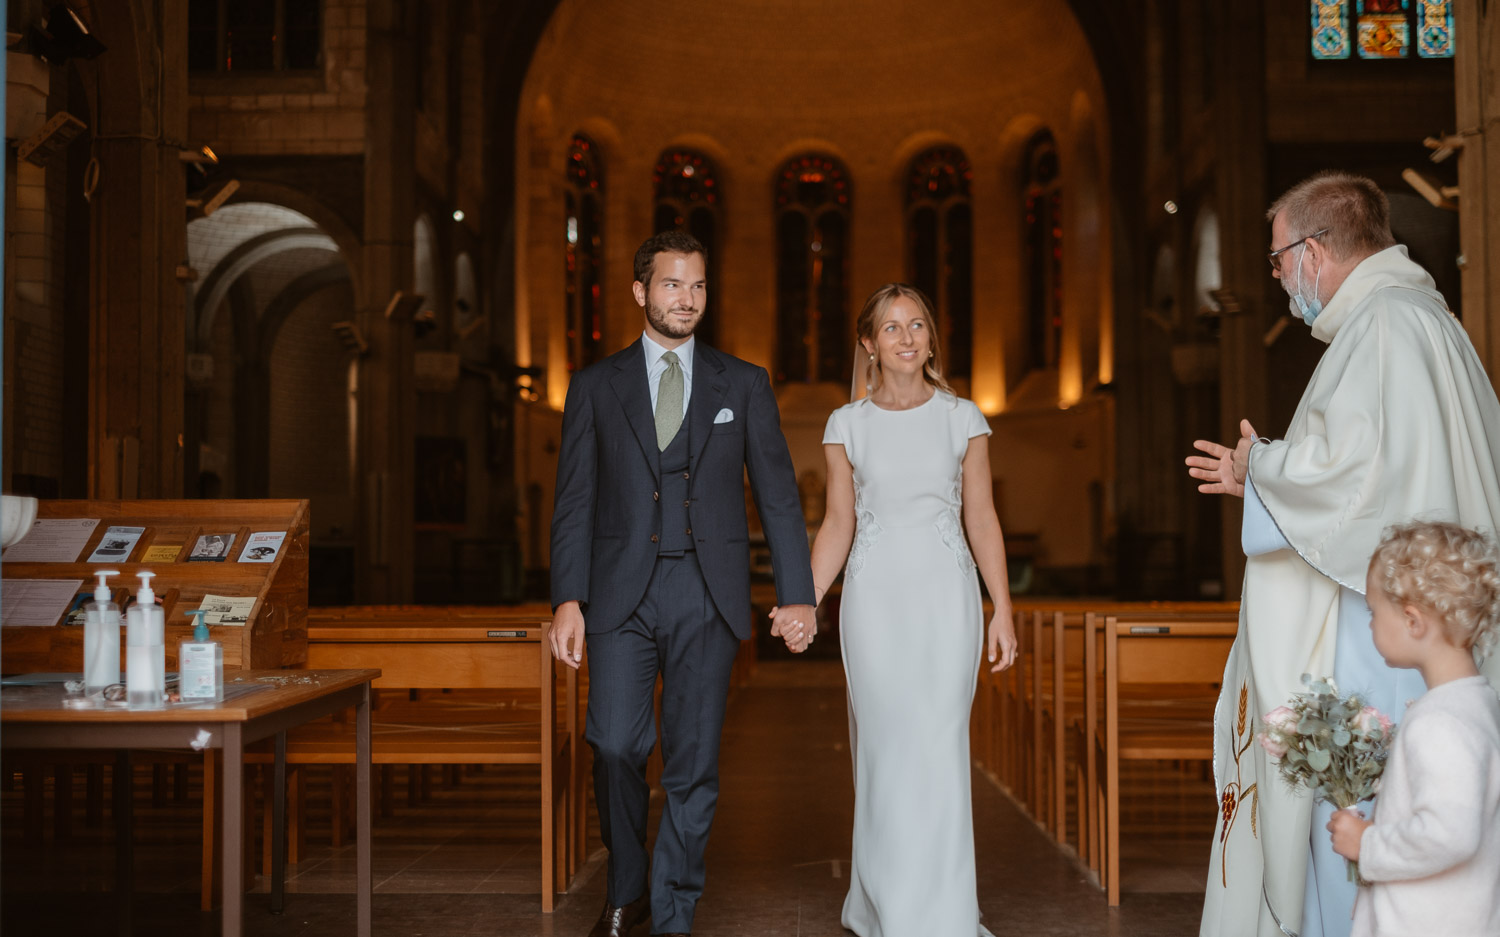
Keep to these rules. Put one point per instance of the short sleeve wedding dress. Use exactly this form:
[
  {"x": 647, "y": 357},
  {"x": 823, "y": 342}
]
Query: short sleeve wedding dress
[{"x": 912, "y": 632}]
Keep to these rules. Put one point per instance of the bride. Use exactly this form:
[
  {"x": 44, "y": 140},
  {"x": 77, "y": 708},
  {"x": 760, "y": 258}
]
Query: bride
[{"x": 908, "y": 474}]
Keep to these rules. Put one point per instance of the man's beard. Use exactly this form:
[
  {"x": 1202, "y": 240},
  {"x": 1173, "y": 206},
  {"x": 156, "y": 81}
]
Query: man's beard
[{"x": 663, "y": 321}]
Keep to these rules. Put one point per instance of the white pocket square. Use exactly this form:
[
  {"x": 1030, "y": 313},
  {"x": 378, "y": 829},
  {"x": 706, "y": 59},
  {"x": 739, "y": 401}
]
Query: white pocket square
[{"x": 725, "y": 415}]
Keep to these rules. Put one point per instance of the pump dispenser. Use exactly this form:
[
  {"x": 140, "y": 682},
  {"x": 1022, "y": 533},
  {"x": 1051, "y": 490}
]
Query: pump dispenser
[
  {"x": 101, "y": 637},
  {"x": 146, "y": 650},
  {"x": 200, "y": 663}
]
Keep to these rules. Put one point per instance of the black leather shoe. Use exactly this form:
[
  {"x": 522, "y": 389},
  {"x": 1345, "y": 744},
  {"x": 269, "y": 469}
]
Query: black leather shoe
[{"x": 619, "y": 922}]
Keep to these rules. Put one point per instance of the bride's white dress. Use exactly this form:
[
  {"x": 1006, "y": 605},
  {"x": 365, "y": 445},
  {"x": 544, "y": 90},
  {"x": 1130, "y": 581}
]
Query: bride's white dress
[{"x": 912, "y": 631}]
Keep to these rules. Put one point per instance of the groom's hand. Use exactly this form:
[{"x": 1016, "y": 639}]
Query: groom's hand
[
  {"x": 566, "y": 634},
  {"x": 794, "y": 624}
]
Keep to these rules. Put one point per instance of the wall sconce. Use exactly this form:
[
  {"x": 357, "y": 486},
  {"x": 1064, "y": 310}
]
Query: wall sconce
[
  {"x": 210, "y": 203},
  {"x": 352, "y": 338},
  {"x": 1437, "y": 194}
]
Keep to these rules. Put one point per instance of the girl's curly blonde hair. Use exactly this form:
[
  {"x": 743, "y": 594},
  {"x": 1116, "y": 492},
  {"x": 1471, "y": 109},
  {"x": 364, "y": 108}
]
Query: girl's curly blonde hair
[{"x": 1448, "y": 570}]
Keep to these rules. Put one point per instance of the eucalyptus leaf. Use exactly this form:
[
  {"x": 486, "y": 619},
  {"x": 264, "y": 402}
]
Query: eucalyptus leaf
[{"x": 1318, "y": 759}]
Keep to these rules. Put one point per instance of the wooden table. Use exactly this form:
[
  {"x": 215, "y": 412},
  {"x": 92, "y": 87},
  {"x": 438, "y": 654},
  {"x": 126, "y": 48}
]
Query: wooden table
[{"x": 34, "y": 717}]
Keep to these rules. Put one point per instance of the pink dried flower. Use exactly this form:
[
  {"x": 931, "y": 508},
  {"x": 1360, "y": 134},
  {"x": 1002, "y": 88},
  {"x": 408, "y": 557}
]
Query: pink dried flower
[
  {"x": 1281, "y": 719},
  {"x": 1371, "y": 718},
  {"x": 1273, "y": 746}
]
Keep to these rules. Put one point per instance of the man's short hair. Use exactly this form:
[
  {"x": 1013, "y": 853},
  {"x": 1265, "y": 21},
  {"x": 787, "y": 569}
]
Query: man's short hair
[
  {"x": 668, "y": 242},
  {"x": 1352, "y": 208}
]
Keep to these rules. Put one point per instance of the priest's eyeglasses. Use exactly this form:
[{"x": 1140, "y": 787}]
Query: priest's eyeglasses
[{"x": 1273, "y": 255}]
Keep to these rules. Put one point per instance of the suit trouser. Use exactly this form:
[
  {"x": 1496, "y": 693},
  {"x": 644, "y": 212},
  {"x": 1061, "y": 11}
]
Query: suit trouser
[{"x": 677, "y": 631}]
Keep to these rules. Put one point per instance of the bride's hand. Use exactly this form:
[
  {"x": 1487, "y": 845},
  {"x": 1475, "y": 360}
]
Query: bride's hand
[{"x": 1001, "y": 641}]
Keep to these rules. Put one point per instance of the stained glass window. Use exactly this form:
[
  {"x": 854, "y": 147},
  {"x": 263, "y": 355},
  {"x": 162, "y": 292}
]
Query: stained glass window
[
  {"x": 686, "y": 191},
  {"x": 1435, "y": 29},
  {"x": 584, "y": 253},
  {"x": 1381, "y": 29},
  {"x": 1330, "y": 29},
  {"x": 939, "y": 242},
  {"x": 1042, "y": 247},
  {"x": 813, "y": 341}
]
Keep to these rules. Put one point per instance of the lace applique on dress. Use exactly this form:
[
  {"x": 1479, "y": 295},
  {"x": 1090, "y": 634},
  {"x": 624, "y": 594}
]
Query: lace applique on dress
[
  {"x": 950, "y": 526},
  {"x": 866, "y": 531}
]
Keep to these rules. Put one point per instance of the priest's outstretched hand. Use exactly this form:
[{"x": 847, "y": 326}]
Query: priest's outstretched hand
[{"x": 1223, "y": 470}]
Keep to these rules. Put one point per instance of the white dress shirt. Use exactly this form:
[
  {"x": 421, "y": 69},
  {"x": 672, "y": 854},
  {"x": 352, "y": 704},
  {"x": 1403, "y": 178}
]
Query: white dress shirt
[{"x": 655, "y": 368}]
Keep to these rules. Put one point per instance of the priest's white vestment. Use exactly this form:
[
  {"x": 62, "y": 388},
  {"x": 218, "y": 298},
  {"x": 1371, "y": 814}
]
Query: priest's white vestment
[{"x": 1398, "y": 423}]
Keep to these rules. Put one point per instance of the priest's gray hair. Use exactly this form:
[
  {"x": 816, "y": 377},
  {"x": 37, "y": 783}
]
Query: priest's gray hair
[
  {"x": 1447, "y": 570},
  {"x": 1353, "y": 210}
]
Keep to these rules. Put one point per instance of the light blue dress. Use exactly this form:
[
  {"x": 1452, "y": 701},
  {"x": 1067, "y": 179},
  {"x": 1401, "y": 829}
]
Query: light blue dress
[{"x": 1328, "y": 904}]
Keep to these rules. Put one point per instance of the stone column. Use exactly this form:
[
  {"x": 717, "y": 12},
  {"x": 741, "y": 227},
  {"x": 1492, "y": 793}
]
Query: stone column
[
  {"x": 1477, "y": 35},
  {"x": 136, "y": 349},
  {"x": 1240, "y": 168},
  {"x": 386, "y": 397}
]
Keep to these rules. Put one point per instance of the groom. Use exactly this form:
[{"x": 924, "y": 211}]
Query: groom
[{"x": 651, "y": 561}]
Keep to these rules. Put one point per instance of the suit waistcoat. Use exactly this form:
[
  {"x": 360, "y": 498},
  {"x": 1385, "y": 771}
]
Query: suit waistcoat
[{"x": 676, "y": 533}]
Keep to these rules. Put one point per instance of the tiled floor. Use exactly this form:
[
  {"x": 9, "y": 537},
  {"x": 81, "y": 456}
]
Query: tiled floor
[{"x": 464, "y": 862}]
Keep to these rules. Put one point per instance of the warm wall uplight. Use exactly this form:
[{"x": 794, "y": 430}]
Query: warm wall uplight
[
  {"x": 1069, "y": 383},
  {"x": 990, "y": 406}
]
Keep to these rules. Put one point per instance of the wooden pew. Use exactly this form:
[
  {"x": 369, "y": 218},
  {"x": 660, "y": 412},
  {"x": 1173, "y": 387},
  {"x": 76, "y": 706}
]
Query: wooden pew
[
  {"x": 1028, "y": 733},
  {"x": 1158, "y": 681},
  {"x": 462, "y": 648}
]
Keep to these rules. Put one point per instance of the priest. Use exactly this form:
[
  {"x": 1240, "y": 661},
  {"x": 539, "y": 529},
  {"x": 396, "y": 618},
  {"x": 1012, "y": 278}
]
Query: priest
[{"x": 1399, "y": 422}]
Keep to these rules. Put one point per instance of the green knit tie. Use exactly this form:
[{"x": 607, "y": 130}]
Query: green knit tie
[{"x": 669, "y": 401}]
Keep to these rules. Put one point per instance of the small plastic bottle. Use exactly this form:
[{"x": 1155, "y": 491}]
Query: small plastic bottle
[
  {"x": 146, "y": 650},
  {"x": 200, "y": 665},
  {"x": 101, "y": 637}
]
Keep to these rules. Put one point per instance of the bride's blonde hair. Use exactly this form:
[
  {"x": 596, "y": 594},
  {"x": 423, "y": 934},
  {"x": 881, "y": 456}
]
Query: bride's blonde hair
[{"x": 874, "y": 313}]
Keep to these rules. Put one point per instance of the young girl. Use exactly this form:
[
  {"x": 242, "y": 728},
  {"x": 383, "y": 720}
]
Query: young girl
[{"x": 1432, "y": 849}]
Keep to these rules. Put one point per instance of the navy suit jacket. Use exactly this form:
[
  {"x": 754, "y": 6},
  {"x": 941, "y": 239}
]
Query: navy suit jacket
[{"x": 607, "y": 511}]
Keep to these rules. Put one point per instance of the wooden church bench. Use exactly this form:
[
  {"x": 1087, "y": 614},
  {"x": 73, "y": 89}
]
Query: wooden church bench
[
  {"x": 1158, "y": 676},
  {"x": 432, "y": 649}
]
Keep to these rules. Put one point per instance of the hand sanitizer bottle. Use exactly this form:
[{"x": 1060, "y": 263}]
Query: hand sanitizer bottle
[
  {"x": 146, "y": 650},
  {"x": 200, "y": 665},
  {"x": 101, "y": 638}
]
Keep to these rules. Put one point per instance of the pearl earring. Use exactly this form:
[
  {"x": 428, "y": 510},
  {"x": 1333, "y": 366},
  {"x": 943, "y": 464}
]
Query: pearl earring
[{"x": 872, "y": 357}]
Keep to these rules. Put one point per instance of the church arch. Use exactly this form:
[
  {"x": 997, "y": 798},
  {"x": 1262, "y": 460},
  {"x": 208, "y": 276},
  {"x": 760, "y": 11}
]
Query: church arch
[
  {"x": 1042, "y": 246},
  {"x": 425, "y": 281},
  {"x": 812, "y": 200},
  {"x": 267, "y": 364},
  {"x": 583, "y": 251},
  {"x": 687, "y": 196},
  {"x": 939, "y": 223}
]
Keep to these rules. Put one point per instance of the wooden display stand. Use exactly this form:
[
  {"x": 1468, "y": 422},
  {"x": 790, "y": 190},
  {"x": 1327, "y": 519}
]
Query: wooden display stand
[{"x": 274, "y": 635}]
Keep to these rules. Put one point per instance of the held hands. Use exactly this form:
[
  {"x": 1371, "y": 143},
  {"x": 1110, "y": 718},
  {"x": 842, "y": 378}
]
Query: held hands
[
  {"x": 1001, "y": 640},
  {"x": 566, "y": 634},
  {"x": 794, "y": 624},
  {"x": 1223, "y": 470},
  {"x": 1347, "y": 826}
]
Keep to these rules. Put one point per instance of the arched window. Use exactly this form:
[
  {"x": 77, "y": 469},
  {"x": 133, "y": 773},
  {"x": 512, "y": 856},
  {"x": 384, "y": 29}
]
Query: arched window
[
  {"x": 812, "y": 270},
  {"x": 686, "y": 190},
  {"x": 940, "y": 246},
  {"x": 1042, "y": 239},
  {"x": 1381, "y": 29},
  {"x": 584, "y": 201}
]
